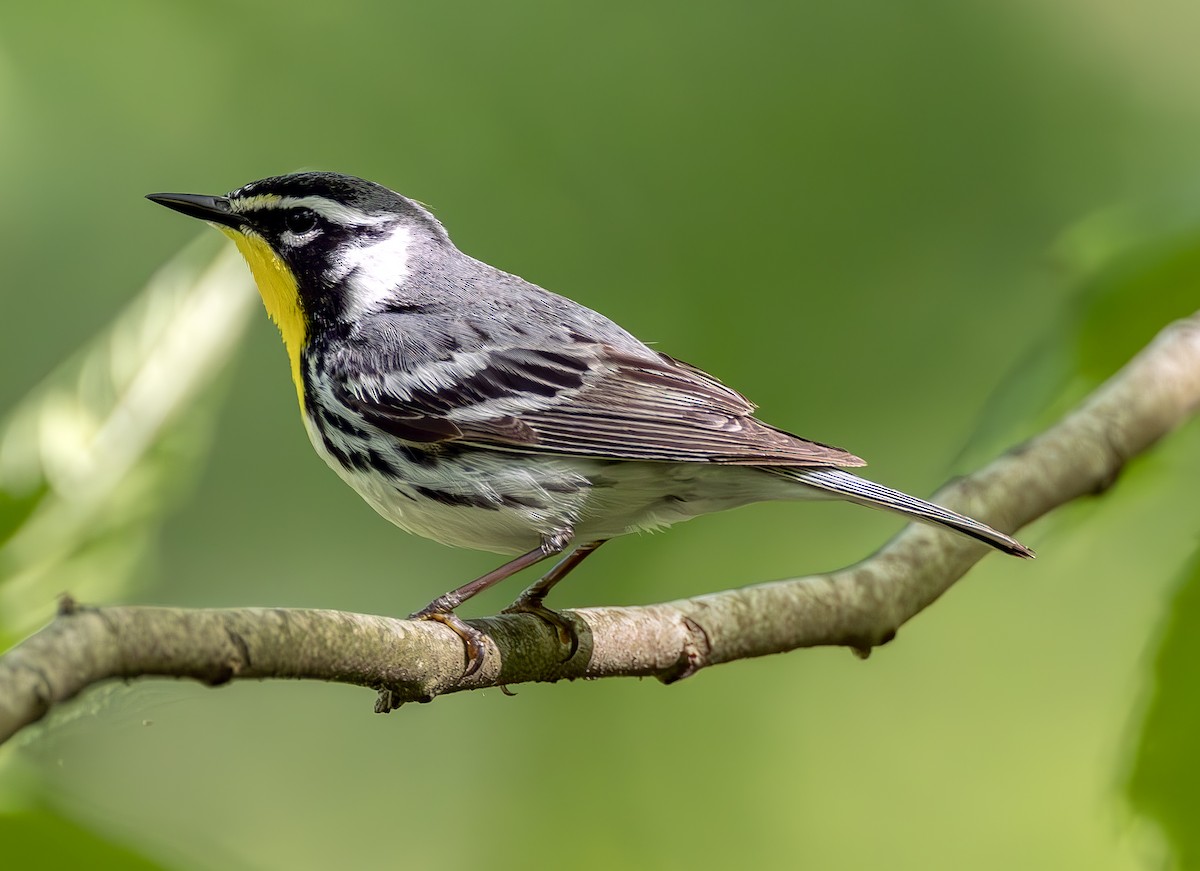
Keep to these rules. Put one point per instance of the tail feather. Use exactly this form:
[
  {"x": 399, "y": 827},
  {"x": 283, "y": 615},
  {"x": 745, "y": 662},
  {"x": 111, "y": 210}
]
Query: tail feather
[{"x": 855, "y": 489}]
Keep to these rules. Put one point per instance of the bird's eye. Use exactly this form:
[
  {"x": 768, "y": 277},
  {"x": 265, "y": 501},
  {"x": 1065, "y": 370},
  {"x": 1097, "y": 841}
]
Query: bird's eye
[{"x": 300, "y": 221}]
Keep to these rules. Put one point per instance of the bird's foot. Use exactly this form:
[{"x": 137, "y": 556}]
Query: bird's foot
[
  {"x": 563, "y": 627},
  {"x": 473, "y": 639}
]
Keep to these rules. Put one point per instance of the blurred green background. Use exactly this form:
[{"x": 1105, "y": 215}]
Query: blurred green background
[{"x": 906, "y": 228}]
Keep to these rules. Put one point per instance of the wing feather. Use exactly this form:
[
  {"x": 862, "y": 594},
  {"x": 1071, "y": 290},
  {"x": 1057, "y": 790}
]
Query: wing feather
[{"x": 585, "y": 399}]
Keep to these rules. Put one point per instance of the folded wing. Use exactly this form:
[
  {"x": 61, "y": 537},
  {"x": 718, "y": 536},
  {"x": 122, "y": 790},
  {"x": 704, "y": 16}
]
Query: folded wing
[{"x": 584, "y": 399}]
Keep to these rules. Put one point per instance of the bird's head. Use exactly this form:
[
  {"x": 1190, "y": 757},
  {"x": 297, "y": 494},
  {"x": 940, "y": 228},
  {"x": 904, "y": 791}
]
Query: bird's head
[{"x": 324, "y": 248}]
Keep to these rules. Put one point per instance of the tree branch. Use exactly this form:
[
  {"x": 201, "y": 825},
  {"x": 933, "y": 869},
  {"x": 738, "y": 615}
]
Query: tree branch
[{"x": 860, "y": 606}]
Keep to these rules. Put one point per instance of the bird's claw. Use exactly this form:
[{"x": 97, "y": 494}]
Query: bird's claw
[
  {"x": 563, "y": 627},
  {"x": 473, "y": 639}
]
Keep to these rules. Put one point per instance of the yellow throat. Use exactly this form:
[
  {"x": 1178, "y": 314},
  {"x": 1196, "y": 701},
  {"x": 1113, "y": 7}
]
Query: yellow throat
[{"x": 280, "y": 296}]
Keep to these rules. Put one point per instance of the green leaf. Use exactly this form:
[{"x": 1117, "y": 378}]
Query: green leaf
[
  {"x": 1133, "y": 272},
  {"x": 1140, "y": 291},
  {"x": 92, "y": 459},
  {"x": 1165, "y": 781},
  {"x": 15, "y": 509},
  {"x": 41, "y": 838}
]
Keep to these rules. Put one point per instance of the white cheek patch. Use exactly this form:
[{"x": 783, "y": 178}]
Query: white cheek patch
[{"x": 373, "y": 271}]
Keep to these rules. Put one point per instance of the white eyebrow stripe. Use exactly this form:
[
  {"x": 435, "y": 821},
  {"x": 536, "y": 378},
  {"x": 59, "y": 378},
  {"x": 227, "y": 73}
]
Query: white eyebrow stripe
[{"x": 336, "y": 213}]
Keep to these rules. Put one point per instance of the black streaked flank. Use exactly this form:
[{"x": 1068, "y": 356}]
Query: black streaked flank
[
  {"x": 425, "y": 457},
  {"x": 489, "y": 502},
  {"x": 334, "y": 451},
  {"x": 380, "y": 464},
  {"x": 459, "y": 500},
  {"x": 359, "y": 461},
  {"x": 341, "y": 423},
  {"x": 522, "y": 502},
  {"x": 566, "y": 487}
]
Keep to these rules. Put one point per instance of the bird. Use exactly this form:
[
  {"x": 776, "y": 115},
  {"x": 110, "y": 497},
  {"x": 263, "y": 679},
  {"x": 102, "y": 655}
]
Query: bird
[{"x": 474, "y": 408}]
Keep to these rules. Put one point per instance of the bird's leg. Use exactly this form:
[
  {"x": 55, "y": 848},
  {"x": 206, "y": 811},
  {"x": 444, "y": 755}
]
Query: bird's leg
[
  {"x": 534, "y": 595},
  {"x": 442, "y": 608},
  {"x": 530, "y": 601}
]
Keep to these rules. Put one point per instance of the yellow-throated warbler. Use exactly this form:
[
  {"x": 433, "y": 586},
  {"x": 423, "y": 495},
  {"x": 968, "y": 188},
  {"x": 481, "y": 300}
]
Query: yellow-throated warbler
[{"x": 474, "y": 408}]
